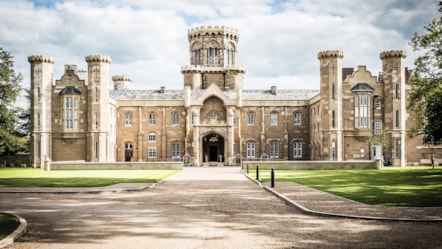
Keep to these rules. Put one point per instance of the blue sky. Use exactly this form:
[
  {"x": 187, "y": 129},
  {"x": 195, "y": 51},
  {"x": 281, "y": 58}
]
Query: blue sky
[{"x": 147, "y": 40}]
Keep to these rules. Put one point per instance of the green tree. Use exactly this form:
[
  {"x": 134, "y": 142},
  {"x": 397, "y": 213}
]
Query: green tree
[
  {"x": 425, "y": 99},
  {"x": 12, "y": 140}
]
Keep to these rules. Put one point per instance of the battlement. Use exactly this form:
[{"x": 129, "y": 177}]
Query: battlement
[
  {"x": 41, "y": 58},
  {"x": 393, "y": 54},
  {"x": 331, "y": 54},
  {"x": 121, "y": 78},
  {"x": 98, "y": 58},
  {"x": 199, "y": 69},
  {"x": 211, "y": 28}
]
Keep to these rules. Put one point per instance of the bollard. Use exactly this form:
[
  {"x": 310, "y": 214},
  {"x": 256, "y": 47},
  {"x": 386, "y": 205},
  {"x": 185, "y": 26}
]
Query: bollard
[
  {"x": 272, "y": 178},
  {"x": 247, "y": 169},
  {"x": 257, "y": 172}
]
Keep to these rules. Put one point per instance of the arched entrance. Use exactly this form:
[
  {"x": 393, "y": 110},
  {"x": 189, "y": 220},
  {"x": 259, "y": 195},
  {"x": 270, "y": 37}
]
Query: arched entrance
[{"x": 213, "y": 148}]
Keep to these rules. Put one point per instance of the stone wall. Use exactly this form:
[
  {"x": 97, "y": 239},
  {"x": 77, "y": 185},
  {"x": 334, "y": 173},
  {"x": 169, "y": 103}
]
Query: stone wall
[
  {"x": 116, "y": 166},
  {"x": 312, "y": 165}
]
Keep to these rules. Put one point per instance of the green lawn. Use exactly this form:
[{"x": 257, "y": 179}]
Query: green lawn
[
  {"x": 418, "y": 186},
  {"x": 8, "y": 224},
  {"x": 14, "y": 177}
]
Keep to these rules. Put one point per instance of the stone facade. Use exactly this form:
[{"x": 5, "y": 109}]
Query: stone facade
[{"x": 354, "y": 116}]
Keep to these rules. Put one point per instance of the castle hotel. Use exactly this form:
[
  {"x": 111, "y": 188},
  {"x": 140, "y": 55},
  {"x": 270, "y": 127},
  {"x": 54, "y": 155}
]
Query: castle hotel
[{"x": 354, "y": 116}]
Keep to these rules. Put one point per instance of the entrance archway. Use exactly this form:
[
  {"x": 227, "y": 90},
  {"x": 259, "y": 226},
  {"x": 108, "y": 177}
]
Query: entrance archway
[{"x": 213, "y": 148}]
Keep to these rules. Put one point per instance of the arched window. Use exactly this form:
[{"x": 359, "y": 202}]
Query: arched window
[
  {"x": 297, "y": 149},
  {"x": 251, "y": 149},
  {"x": 274, "y": 149},
  {"x": 397, "y": 92}
]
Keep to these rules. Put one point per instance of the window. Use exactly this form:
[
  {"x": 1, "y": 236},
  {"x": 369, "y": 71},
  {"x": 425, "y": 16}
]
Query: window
[
  {"x": 377, "y": 126},
  {"x": 397, "y": 118},
  {"x": 333, "y": 91},
  {"x": 151, "y": 137},
  {"x": 175, "y": 150},
  {"x": 97, "y": 149},
  {"x": 152, "y": 119},
  {"x": 333, "y": 149},
  {"x": 96, "y": 94},
  {"x": 251, "y": 149},
  {"x": 297, "y": 118},
  {"x": 197, "y": 57},
  {"x": 397, "y": 92},
  {"x": 398, "y": 148},
  {"x": 128, "y": 119},
  {"x": 213, "y": 115},
  {"x": 362, "y": 103},
  {"x": 70, "y": 115},
  {"x": 274, "y": 150},
  {"x": 251, "y": 118},
  {"x": 274, "y": 118},
  {"x": 378, "y": 104},
  {"x": 362, "y": 153},
  {"x": 297, "y": 149},
  {"x": 175, "y": 118},
  {"x": 333, "y": 119},
  {"x": 152, "y": 152},
  {"x": 38, "y": 121},
  {"x": 38, "y": 94},
  {"x": 96, "y": 120}
]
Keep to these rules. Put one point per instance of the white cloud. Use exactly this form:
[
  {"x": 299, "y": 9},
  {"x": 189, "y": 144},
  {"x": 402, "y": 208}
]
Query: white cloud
[{"x": 147, "y": 40}]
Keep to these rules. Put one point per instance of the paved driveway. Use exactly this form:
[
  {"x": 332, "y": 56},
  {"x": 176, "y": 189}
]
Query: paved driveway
[{"x": 199, "y": 208}]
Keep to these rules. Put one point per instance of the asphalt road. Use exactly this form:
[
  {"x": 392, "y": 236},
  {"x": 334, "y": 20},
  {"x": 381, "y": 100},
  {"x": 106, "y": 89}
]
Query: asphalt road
[{"x": 199, "y": 208}]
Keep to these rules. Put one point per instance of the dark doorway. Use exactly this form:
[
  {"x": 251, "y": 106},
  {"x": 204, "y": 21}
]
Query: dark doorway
[
  {"x": 213, "y": 148},
  {"x": 128, "y": 152}
]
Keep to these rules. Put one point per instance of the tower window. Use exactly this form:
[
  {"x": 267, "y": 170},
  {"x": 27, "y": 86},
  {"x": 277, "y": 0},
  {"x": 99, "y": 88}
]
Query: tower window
[
  {"x": 38, "y": 121},
  {"x": 333, "y": 92},
  {"x": 297, "y": 118},
  {"x": 397, "y": 119},
  {"x": 251, "y": 118},
  {"x": 175, "y": 118},
  {"x": 96, "y": 94},
  {"x": 274, "y": 118},
  {"x": 397, "y": 91},
  {"x": 152, "y": 119},
  {"x": 96, "y": 120},
  {"x": 333, "y": 119}
]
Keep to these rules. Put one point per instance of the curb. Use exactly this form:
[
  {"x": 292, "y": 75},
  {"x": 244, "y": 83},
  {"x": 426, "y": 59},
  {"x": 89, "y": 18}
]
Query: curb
[
  {"x": 93, "y": 191},
  {"x": 327, "y": 214},
  {"x": 19, "y": 231}
]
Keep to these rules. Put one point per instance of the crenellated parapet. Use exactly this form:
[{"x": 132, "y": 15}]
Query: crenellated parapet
[
  {"x": 41, "y": 58},
  {"x": 213, "y": 30},
  {"x": 121, "y": 78},
  {"x": 98, "y": 58},
  {"x": 393, "y": 54},
  {"x": 331, "y": 54}
]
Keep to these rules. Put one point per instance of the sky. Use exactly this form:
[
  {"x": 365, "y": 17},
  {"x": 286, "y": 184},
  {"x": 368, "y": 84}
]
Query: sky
[{"x": 147, "y": 39}]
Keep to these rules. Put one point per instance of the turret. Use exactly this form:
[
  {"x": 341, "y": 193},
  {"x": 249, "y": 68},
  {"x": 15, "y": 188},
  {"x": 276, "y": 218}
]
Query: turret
[
  {"x": 393, "y": 71},
  {"x": 213, "y": 52},
  {"x": 331, "y": 103},
  {"x": 98, "y": 106},
  {"x": 121, "y": 82},
  {"x": 41, "y": 83}
]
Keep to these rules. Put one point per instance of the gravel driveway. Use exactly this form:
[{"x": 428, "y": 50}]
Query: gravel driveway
[{"x": 199, "y": 208}]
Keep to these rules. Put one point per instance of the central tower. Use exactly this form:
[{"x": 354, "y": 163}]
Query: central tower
[{"x": 213, "y": 56}]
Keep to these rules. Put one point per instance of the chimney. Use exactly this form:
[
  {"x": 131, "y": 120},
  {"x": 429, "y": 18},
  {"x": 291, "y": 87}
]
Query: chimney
[{"x": 273, "y": 90}]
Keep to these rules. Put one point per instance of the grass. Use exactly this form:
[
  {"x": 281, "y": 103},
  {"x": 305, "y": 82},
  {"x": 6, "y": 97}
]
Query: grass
[
  {"x": 412, "y": 187},
  {"x": 8, "y": 224},
  {"x": 14, "y": 177}
]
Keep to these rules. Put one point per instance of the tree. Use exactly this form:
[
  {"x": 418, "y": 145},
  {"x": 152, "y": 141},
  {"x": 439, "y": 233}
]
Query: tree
[
  {"x": 12, "y": 140},
  {"x": 425, "y": 99}
]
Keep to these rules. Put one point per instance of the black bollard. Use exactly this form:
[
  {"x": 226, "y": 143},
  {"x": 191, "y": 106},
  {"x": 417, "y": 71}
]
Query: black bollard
[
  {"x": 257, "y": 172},
  {"x": 272, "y": 178},
  {"x": 247, "y": 169}
]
